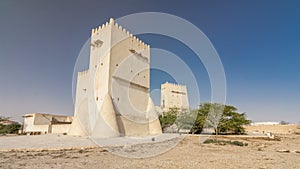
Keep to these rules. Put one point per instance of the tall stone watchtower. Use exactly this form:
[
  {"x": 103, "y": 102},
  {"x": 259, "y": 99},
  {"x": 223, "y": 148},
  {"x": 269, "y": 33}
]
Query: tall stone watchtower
[
  {"x": 112, "y": 96},
  {"x": 174, "y": 96}
]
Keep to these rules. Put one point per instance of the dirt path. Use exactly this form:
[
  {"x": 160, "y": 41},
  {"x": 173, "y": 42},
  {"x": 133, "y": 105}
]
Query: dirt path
[{"x": 189, "y": 153}]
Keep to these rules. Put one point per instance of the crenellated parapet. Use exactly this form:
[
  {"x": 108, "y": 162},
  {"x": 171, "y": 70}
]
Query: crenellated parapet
[
  {"x": 174, "y": 84},
  {"x": 127, "y": 33},
  {"x": 83, "y": 73}
]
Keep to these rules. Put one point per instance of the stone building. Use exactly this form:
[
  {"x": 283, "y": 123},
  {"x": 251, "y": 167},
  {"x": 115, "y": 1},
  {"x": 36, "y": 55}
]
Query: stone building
[
  {"x": 41, "y": 123},
  {"x": 112, "y": 95},
  {"x": 174, "y": 96}
]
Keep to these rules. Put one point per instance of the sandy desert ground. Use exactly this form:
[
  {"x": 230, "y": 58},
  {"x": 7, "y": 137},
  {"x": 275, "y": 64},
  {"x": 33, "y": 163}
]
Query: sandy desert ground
[{"x": 189, "y": 153}]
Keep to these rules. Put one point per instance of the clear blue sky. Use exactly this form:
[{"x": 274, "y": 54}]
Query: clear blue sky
[{"x": 258, "y": 43}]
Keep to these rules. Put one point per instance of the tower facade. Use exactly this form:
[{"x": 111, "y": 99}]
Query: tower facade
[
  {"x": 174, "y": 96},
  {"x": 112, "y": 96}
]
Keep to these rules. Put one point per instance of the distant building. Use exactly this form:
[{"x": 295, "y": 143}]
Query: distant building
[
  {"x": 264, "y": 123},
  {"x": 46, "y": 123},
  {"x": 174, "y": 95}
]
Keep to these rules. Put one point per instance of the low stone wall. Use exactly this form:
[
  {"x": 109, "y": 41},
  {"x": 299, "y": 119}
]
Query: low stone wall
[{"x": 277, "y": 129}]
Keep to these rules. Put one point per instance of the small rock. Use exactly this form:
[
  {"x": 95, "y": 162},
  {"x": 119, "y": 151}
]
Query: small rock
[
  {"x": 297, "y": 151},
  {"x": 283, "y": 151}
]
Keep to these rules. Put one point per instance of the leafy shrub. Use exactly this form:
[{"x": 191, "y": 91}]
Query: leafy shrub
[
  {"x": 10, "y": 129},
  {"x": 223, "y": 142},
  {"x": 209, "y": 141},
  {"x": 237, "y": 143}
]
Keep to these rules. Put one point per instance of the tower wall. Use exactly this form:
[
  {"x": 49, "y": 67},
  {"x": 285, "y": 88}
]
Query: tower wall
[
  {"x": 130, "y": 80},
  {"x": 116, "y": 100},
  {"x": 81, "y": 112},
  {"x": 174, "y": 95}
]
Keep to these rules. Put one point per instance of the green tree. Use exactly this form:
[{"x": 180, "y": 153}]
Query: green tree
[
  {"x": 232, "y": 121},
  {"x": 222, "y": 118},
  {"x": 200, "y": 119},
  {"x": 186, "y": 120},
  {"x": 10, "y": 128},
  {"x": 168, "y": 118}
]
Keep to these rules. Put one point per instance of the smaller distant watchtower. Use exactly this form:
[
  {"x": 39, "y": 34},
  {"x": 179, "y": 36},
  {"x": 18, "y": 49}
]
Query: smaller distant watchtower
[{"x": 174, "y": 95}]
